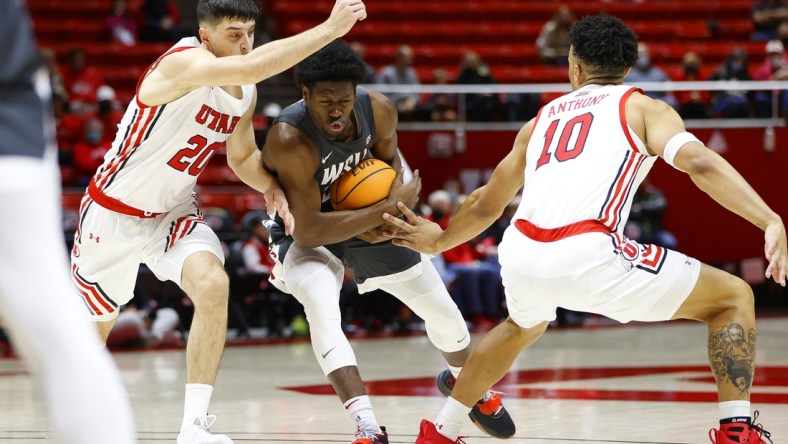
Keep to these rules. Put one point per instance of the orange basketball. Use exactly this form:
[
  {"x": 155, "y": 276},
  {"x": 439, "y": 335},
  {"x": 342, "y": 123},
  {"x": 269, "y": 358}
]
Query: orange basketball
[{"x": 367, "y": 184}]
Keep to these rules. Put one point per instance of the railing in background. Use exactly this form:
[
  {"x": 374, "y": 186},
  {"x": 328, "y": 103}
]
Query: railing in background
[{"x": 462, "y": 90}]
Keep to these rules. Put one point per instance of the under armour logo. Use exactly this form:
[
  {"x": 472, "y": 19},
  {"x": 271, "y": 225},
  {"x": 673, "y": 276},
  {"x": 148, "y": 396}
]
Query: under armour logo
[
  {"x": 438, "y": 426},
  {"x": 95, "y": 237}
]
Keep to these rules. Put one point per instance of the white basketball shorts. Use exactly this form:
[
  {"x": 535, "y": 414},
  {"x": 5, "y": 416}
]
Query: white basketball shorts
[
  {"x": 603, "y": 273},
  {"x": 109, "y": 248}
]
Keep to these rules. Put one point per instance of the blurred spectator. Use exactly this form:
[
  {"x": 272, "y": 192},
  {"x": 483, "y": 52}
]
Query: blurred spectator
[
  {"x": 645, "y": 220},
  {"x": 479, "y": 107},
  {"x": 254, "y": 252},
  {"x": 477, "y": 286},
  {"x": 360, "y": 50},
  {"x": 144, "y": 323},
  {"x": 442, "y": 106},
  {"x": 782, "y": 33},
  {"x": 81, "y": 81},
  {"x": 55, "y": 77},
  {"x": 691, "y": 104},
  {"x": 108, "y": 111},
  {"x": 766, "y": 17},
  {"x": 402, "y": 72},
  {"x": 774, "y": 67},
  {"x": 645, "y": 71},
  {"x": 138, "y": 328},
  {"x": 121, "y": 24},
  {"x": 553, "y": 40},
  {"x": 89, "y": 152},
  {"x": 732, "y": 103},
  {"x": 161, "y": 19}
]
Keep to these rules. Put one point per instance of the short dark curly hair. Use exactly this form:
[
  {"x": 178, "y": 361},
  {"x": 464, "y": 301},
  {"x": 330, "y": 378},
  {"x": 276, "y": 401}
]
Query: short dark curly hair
[
  {"x": 214, "y": 11},
  {"x": 604, "y": 44},
  {"x": 336, "y": 62}
]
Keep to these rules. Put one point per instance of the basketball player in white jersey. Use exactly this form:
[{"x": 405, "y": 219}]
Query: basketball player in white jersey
[
  {"x": 195, "y": 99},
  {"x": 84, "y": 393},
  {"x": 580, "y": 161}
]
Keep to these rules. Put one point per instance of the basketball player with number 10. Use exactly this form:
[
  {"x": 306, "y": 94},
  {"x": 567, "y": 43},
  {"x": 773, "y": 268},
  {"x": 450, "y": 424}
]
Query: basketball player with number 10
[
  {"x": 194, "y": 100},
  {"x": 583, "y": 157}
]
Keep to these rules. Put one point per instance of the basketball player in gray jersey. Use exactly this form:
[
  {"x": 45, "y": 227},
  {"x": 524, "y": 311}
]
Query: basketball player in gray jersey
[
  {"x": 336, "y": 126},
  {"x": 85, "y": 397}
]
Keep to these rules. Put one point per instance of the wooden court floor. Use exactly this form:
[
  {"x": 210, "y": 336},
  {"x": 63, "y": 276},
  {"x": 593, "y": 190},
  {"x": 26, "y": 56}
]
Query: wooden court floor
[{"x": 623, "y": 384}]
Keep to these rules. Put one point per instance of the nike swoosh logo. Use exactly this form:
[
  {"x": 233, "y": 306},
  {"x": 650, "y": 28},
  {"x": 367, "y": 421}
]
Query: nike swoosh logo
[
  {"x": 326, "y": 353},
  {"x": 326, "y": 158},
  {"x": 462, "y": 339}
]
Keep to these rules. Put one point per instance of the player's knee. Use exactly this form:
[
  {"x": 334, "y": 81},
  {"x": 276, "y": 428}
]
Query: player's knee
[
  {"x": 212, "y": 290},
  {"x": 742, "y": 297}
]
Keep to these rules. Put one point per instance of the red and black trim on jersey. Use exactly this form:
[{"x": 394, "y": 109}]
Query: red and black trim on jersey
[
  {"x": 135, "y": 135},
  {"x": 182, "y": 227},
  {"x": 620, "y": 190},
  {"x": 94, "y": 298},
  {"x": 647, "y": 257}
]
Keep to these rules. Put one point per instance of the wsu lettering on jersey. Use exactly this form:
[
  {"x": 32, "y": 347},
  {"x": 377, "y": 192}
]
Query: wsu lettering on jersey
[
  {"x": 216, "y": 121},
  {"x": 333, "y": 172}
]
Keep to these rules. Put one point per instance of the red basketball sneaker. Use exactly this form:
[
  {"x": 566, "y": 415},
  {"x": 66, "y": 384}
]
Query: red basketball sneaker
[
  {"x": 740, "y": 433},
  {"x": 428, "y": 434}
]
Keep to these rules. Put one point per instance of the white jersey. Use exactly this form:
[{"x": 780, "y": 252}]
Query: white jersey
[
  {"x": 583, "y": 162},
  {"x": 159, "y": 151}
]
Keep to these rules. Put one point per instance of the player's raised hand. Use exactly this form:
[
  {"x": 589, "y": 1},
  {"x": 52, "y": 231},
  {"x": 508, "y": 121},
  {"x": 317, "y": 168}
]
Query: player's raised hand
[
  {"x": 415, "y": 232},
  {"x": 345, "y": 14},
  {"x": 276, "y": 201},
  {"x": 408, "y": 193},
  {"x": 776, "y": 252}
]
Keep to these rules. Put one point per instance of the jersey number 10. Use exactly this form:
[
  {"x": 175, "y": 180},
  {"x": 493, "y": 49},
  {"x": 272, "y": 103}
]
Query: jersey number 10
[{"x": 563, "y": 151}]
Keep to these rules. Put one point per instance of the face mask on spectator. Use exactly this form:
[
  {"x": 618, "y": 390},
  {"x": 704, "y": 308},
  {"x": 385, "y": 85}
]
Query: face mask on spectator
[
  {"x": 776, "y": 60},
  {"x": 691, "y": 68},
  {"x": 93, "y": 137}
]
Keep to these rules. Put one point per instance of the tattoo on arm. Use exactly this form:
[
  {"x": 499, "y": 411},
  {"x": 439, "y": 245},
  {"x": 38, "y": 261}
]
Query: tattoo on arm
[{"x": 732, "y": 356}]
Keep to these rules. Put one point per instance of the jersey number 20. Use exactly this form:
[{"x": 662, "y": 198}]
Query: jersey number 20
[
  {"x": 193, "y": 159},
  {"x": 563, "y": 151}
]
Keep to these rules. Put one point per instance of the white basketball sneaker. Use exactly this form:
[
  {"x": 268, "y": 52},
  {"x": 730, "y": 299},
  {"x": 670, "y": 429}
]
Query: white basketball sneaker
[{"x": 199, "y": 432}]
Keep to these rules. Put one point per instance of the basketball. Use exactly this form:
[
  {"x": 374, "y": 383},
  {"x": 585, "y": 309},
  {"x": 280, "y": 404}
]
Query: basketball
[{"x": 367, "y": 184}]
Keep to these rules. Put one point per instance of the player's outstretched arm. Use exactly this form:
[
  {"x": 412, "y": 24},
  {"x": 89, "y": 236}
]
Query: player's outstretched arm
[
  {"x": 186, "y": 70},
  {"x": 243, "y": 157},
  {"x": 482, "y": 207},
  {"x": 717, "y": 178}
]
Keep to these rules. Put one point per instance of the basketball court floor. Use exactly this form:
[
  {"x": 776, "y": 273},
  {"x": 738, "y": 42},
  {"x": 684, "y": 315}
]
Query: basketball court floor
[{"x": 606, "y": 384}]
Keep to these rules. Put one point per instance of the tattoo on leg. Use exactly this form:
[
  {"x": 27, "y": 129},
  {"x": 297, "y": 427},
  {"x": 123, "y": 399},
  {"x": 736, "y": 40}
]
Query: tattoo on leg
[{"x": 732, "y": 355}]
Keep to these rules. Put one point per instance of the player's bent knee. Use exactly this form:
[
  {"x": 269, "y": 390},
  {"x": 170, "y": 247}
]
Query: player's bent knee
[{"x": 212, "y": 290}]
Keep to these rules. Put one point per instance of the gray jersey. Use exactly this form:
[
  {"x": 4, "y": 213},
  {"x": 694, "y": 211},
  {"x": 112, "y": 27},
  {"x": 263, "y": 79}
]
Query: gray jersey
[
  {"x": 334, "y": 158},
  {"x": 21, "y": 118}
]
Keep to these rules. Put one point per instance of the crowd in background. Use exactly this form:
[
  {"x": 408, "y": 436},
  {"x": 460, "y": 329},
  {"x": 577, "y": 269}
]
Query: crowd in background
[{"x": 88, "y": 111}]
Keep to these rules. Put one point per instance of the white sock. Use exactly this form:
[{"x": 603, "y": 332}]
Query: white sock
[
  {"x": 734, "y": 409},
  {"x": 195, "y": 405},
  {"x": 360, "y": 410},
  {"x": 449, "y": 421},
  {"x": 455, "y": 371}
]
